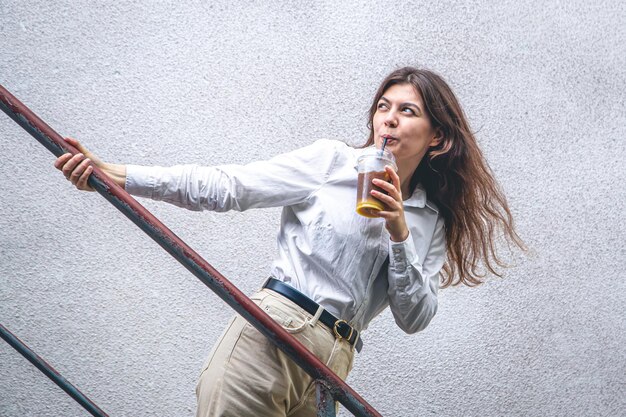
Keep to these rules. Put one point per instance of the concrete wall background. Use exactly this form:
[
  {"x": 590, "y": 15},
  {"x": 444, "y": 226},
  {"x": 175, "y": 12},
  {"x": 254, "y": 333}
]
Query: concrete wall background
[{"x": 214, "y": 82}]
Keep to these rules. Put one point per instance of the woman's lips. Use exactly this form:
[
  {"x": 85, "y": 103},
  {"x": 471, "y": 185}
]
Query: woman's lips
[{"x": 390, "y": 139}]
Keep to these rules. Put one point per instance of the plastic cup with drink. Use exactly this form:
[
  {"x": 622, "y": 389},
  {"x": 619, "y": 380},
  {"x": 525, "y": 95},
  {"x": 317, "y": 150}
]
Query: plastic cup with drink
[{"x": 371, "y": 164}]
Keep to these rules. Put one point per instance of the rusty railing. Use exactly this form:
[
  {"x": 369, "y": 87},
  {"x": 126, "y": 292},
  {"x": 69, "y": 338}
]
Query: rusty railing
[{"x": 330, "y": 387}]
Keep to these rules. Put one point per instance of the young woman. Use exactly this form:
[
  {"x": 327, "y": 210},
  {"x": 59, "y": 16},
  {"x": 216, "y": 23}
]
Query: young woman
[{"x": 335, "y": 270}]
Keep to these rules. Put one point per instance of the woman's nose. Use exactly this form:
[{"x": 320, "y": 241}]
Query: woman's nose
[{"x": 391, "y": 120}]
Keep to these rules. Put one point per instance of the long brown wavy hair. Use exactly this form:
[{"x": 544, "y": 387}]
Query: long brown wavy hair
[{"x": 458, "y": 180}]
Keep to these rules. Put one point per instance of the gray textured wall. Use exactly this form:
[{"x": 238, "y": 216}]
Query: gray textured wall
[{"x": 215, "y": 82}]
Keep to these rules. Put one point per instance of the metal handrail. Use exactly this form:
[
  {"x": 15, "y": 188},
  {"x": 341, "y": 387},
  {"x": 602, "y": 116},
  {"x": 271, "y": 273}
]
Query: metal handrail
[
  {"x": 296, "y": 351},
  {"x": 51, "y": 373}
]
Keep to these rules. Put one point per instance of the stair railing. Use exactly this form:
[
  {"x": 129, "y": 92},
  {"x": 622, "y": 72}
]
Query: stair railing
[{"x": 330, "y": 387}]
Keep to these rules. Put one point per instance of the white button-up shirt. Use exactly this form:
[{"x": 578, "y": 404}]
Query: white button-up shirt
[{"x": 343, "y": 261}]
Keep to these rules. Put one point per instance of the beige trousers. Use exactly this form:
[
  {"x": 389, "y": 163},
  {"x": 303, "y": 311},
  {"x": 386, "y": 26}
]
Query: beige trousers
[{"x": 246, "y": 375}]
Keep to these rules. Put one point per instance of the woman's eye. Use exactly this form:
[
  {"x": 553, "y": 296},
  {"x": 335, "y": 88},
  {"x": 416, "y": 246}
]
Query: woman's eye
[
  {"x": 408, "y": 110},
  {"x": 382, "y": 105}
]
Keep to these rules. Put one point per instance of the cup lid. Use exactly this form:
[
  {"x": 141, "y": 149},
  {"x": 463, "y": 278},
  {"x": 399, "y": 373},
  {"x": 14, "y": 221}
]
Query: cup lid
[{"x": 372, "y": 153}]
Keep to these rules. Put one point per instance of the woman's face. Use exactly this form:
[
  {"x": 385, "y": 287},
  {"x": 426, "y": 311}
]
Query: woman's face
[{"x": 400, "y": 116}]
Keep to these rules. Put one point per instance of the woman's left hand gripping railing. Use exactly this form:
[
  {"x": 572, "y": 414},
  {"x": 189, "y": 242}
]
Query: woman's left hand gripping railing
[{"x": 117, "y": 196}]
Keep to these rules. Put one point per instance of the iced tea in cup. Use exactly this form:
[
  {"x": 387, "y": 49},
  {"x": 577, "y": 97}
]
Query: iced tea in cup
[{"x": 371, "y": 164}]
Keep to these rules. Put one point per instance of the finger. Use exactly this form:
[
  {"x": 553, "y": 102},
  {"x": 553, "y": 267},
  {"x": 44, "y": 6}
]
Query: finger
[
  {"x": 61, "y": 160},
  {"x": 75, "y": 143},
  {"x": 389, "y": 188},
  {"x": 79, "y": 170},
  {"x": 383, "y": 214},
  {"x": 395, "y": 179},
  {"x": 388, "y": 200},
  {"x": 385, "y": 185},
  {"x": 82, "y": 184},
  {"x": 71, "y": 164}
]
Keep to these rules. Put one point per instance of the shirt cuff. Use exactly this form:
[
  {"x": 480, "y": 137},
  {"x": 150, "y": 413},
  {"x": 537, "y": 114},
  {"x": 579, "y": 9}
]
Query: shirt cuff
[
  {"x": 140, "y": 180},
  {"x": 402, "y": 254}
]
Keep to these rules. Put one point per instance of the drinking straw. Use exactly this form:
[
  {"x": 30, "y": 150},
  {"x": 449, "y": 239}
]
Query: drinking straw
[{"x": 383, "y": 147}]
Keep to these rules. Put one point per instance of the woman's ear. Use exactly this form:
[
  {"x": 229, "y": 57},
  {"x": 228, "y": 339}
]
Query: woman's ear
[
  {"x": 440, "y": 144},
  {"x": 437, "y": 139}
]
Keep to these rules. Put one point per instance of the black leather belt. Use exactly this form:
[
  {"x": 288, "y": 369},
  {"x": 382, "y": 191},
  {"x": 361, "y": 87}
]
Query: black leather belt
[{"x": 340, "y": 328}]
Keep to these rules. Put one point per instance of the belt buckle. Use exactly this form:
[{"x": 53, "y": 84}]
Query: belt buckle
[{"x": 336, "y": 330}]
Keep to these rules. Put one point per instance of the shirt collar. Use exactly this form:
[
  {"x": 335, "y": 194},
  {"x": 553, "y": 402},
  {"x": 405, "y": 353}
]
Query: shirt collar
[{"x": 418, "y": 198}]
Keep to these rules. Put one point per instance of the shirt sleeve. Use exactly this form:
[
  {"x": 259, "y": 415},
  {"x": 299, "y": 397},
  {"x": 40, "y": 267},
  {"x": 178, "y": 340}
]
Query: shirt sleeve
[
  {"x": 286, "y": 179},
  {"x": 414, "y": 282}
]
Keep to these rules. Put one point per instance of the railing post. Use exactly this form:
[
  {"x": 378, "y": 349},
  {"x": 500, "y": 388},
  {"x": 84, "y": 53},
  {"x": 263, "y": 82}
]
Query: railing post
[{"x": 326, "y": 406}]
